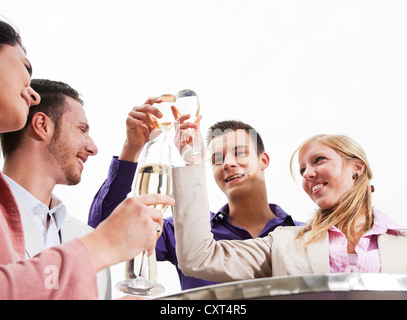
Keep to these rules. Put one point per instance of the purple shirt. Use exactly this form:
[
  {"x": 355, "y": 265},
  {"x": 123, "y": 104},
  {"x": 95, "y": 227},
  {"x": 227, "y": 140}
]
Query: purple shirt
[{"x": 119, "y": 183}]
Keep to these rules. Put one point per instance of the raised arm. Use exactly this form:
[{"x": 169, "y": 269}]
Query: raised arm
[
  {"x": 199, "y": 255},
  {"x": 140, "y": 128}
]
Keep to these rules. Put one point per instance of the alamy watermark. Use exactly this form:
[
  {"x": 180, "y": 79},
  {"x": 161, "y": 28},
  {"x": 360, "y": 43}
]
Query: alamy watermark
[{"x": 51, "y": 281}]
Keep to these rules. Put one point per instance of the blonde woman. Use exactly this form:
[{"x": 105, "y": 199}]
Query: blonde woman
[{"x": 346, "y": 235}]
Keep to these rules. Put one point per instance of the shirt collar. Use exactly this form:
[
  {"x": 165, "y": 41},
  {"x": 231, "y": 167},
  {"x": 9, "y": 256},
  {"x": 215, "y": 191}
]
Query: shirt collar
[
  {"x": 58, "y": 210},
  {"x": 35, "y": 206},
  {"x": 277, "y": 210},
  {"x": 381, "y": 224}
]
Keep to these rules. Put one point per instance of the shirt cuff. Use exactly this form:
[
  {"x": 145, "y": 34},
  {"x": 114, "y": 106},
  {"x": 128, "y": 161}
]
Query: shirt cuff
[{"x": 122, "y": 171}]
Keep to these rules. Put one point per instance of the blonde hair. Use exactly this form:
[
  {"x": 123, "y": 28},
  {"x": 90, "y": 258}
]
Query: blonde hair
[{"x": 356, "y": 201}]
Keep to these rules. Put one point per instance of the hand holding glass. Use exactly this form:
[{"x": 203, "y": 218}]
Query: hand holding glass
[
  {"x": 166, "y": 121},
  {"x": 154, "y": 176},
  {"x": 187, "y": 102}
]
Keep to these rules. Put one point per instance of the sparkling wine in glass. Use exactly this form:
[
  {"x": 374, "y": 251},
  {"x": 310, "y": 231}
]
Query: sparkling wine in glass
[
  {"x": 165, "y": 123},
  {"x": 154, "y": 176},
  {"x": 187, "y": 102}
]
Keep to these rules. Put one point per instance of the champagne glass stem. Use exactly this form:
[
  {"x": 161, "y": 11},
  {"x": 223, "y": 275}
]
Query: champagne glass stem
[
  {"x": 163, "y": 147},
  {"x": 143, "y": 260}
]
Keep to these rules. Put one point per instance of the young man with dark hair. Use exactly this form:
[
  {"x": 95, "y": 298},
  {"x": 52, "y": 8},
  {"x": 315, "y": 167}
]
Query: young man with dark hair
[
  {"x": 238, "y": 162},
  {"x": 131, "y": 228},
  {"x": 51, "y": 149}
]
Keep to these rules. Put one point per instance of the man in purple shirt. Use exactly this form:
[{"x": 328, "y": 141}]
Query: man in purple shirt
[{"x": 238, "y": 163}]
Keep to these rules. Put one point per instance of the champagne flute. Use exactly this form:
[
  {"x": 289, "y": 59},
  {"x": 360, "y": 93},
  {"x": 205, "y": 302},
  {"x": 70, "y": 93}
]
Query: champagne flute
[
  {"x": 154, "y": 176},
  {"x": 166, "y": 121},
  {"x": 187, "y": 102}
]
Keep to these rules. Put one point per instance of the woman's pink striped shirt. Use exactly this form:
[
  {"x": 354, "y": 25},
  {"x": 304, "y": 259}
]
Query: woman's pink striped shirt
[{"x": 367, "y": 250}]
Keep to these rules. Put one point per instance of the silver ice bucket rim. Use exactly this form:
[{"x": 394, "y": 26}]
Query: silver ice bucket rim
[{"x": 323, "y": 286}]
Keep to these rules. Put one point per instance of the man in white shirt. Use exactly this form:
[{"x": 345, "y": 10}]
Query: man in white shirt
[
  {"x": 48, "y": 220},
  {"x": 51, "y": 149}
]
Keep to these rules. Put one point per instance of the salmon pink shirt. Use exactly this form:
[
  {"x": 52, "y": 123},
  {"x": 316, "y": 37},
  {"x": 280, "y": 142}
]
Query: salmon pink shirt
[{"x": 62, "y": 272}]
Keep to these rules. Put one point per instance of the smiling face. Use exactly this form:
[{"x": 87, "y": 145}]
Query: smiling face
[
  {"x": 72, "y": 145},
  {"x": 326, "y": 175},
  {"x": 16, "y": 95},
  {"x": 236, "y": 166}
]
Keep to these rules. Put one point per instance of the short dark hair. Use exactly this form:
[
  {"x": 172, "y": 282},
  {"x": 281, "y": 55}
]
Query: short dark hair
[
  {"x": 53, "y": 96},
  {"x": 223, "y": 127},
  {"x": 9, "y": 35}
]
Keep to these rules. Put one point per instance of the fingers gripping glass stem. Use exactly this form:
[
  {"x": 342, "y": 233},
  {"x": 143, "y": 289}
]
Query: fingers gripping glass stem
[
  {"x": 187, "y": 102},
  {"x": 154, "y": 176}
]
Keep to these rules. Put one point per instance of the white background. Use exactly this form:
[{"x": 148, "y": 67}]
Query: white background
[{"x": 291, "y": 69}]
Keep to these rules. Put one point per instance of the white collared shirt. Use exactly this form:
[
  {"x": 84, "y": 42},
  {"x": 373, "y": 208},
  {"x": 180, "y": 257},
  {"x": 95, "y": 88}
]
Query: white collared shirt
[{"x": 40, "y": 212}]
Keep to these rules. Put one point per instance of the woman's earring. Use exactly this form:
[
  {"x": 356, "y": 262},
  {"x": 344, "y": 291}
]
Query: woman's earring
[{"x": 355, "y": 176}]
